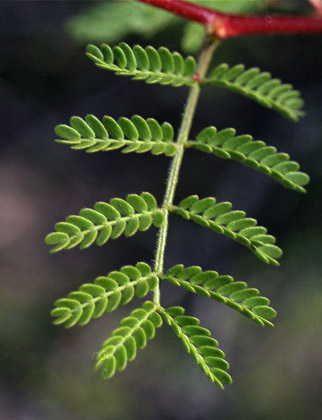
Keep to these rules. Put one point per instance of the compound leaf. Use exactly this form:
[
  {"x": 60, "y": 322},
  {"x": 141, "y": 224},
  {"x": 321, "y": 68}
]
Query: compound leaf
[
  {"x": 137, "y": 135},
  {"x": 232, "y": 223},
  {"x": 223, "y": 289},
  {"x": 260, "y": 87},
  {"x": 256, "y": 154},
  {"x": 153, "y": 66},
  {"x": 198, "y": 342},
  {"x": 106, "y": 221},
  {"x": 133, "y": 333},
  {"x": 92, "y": 300}
]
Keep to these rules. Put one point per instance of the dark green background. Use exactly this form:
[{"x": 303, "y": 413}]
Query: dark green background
[{"x": 45, "y": 371}]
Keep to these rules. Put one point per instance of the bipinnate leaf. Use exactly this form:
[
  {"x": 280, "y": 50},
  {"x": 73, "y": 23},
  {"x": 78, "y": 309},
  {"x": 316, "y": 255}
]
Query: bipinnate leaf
[
  {"x": 106, "y": 221},
  {"x": 198, "y": 342},
  {"x": 223, "y": 289},
  {"x": 136, "y": 134},
  {"x": 256, "y": 154},
  {"x": 260, "y": 87},
  {"x": 232, "y": 223},
  {"x": 133, "y": 333},
  {"x": 153, "y": 66},
  {"x": 92, "y": 300}
]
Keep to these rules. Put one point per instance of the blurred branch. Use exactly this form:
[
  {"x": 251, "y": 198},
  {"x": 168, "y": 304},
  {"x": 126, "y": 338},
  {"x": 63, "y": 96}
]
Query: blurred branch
[{"x": 224, "y": 25}]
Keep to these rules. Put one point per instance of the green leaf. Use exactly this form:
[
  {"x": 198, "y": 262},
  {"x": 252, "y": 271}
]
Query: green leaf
[
  {"x": 106, "y": 221},
  {"x": 71, "y": 305},
  {"x": 107, "y": 210},
  {"x": 66, "y": 132},
  {"x": 97, "y": 127},
  {"x": 56, "y": 238},
  {"x": 152, "y": 66},
  {"x": 60, "y": 239},
  {"x": 137, "y": 203},
  {"x": 202, "y": 205},
  {"x": 260, "y": 87},
  {"x": 109, "y": 368},
  {"x": 167, "y": 131},
  {"x": 232, "y": 223},
  {"x": 104, "y": 295},
  {"x": 123, "y": 343},
  {"x": 255, "y": 154},
  {"x": 124, "y": 208},
  {"x": 264, "y": 311},
  {"x": 167, "y": 60},
  {"x": 113, "y": 128},
  {"x": 131, "y": 135},
  {"x": 142, "y": 127},
  {"x": 150, "y": 200},
  {"x": 192, "y": 38},
  {"x": 67, "y": 228},
  {"x": 188, "y": 202},
  {"x": 94, "y": 216},
  {"x": 298, "y": 178},
  {"x": 195, "y": 339},
  {"x": 82, "y": 127},
  {"x": 128, "y": 128}
]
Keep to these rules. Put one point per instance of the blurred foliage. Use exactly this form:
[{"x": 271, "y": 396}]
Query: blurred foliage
[{"x": 112, "y": 22}]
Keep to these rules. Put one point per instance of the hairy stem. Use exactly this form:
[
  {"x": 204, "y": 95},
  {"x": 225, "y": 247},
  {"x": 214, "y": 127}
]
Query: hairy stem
[
  {"x": 224, "y": 25},
  {"x": 184, "y": 131}
]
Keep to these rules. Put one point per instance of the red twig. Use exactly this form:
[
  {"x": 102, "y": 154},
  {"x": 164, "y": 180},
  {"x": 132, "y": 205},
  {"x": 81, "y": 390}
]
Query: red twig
[{"x": 224, "y": 25}]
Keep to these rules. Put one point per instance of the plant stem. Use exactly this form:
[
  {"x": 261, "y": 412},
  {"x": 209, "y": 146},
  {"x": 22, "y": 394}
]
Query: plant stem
[
  {"x": 184, "y": 131},
  {"x": 224, "y": 25}
]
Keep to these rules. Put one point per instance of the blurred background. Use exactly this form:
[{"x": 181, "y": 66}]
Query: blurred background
[{"x": 45, "y": 371}]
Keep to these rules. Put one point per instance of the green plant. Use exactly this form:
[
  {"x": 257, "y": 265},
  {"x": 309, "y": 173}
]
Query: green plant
[{"x": 138, "y": 212}]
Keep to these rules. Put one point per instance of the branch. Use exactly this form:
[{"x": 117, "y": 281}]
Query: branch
[{"x": 224, "y": 25}]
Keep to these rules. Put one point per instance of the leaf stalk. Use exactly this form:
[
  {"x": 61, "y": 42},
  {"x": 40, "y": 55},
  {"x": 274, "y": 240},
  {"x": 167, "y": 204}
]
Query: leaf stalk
[{"x": 205, "y": 57}]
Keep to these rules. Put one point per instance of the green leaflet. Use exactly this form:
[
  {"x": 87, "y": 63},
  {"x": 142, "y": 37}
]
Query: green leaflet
[
  {"x": 232, "y": 223},
  {"x": 92, "y": 300},
  {"x": 244, "y": 149},
  {"x": 223, "y": 289},
  {"x": 106, "y": 221},
  {"x": 148, "y": 64},
  {"x": 133, "y": 333},
  {"x": 137, "y": 135},
  {"x": 192, "y": 37},
  {"x": 197, "y": 341},
  {"x": 260, "y": 87}
]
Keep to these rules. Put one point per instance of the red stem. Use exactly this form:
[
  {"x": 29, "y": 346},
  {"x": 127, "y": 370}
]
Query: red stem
[{"x": 224, "y": 25}]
